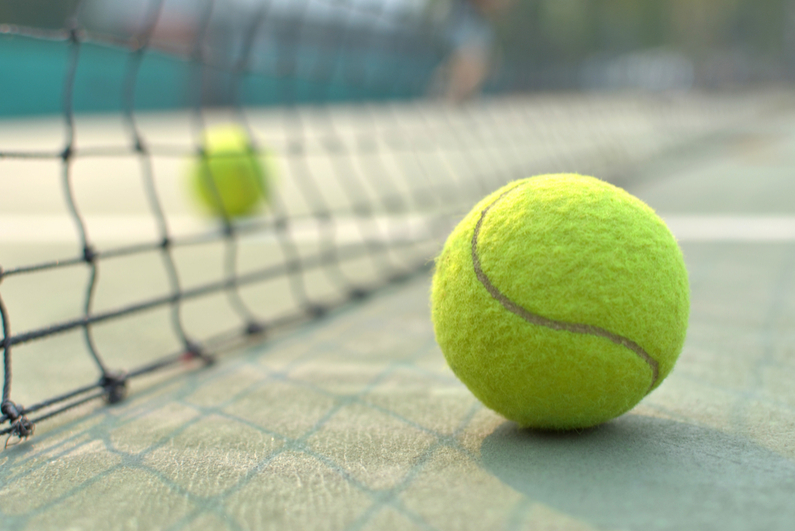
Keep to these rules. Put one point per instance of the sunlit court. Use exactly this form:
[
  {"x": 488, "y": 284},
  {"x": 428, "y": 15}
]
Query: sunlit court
[{"x": 397, "y": 264}]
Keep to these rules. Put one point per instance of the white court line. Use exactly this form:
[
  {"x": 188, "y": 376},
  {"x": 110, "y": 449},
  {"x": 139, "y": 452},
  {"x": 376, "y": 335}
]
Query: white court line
[
  {"x": 725, "y": 228},
  {"x": 55, "y": 229},
  {"x": 47, "y": 229}
]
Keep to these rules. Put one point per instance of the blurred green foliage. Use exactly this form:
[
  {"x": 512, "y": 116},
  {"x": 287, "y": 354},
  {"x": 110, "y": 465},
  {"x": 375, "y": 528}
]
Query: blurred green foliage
[
  {"x": 554, "y": 31},
  {"x": 46, "y": 14}
]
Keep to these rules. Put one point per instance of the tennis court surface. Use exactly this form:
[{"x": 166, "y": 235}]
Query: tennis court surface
[
  {"x": 353, "y": 421},
  {"x": 168, "y": 369}
]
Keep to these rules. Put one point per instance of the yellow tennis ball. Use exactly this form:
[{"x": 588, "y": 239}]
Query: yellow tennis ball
[
  {"x": 228, "y": 178},
  {"x": 560, "y": 301}
]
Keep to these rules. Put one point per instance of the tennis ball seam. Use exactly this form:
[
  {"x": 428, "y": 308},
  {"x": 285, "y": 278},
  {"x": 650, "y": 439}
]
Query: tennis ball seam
[{"x": 535, "y": 319}]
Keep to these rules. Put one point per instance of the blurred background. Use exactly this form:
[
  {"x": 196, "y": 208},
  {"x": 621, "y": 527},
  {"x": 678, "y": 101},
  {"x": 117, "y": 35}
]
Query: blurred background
[{"x": 355, "y": 47}]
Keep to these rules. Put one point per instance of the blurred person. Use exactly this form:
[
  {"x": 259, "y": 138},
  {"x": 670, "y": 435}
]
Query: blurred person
[{"x": 470, "y": 37}]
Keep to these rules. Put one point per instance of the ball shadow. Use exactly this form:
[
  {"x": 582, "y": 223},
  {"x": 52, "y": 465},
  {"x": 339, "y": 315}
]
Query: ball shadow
[{"x": 644, "y": 473}]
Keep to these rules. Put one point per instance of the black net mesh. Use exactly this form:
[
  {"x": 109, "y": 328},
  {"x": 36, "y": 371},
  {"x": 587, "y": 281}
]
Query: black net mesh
[{"x": 370, "y": 176}]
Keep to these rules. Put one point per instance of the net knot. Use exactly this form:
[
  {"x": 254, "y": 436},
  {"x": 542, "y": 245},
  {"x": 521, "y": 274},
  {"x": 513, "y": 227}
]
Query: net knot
[
  {"x": 358, "y": 294},
  {"x": 115, "y": 386},
  {"x": 317, "y": 311},
  {"x": 89, "y": 254},
  {"x": 254, "y": 329},
  {"x": 139, "y": 146},
  {"x": 21, "y": 427},
  {"x": 195, "y": 351},
  {"x": 11, "y": 410},
  {"x": 74, "y": 33}
]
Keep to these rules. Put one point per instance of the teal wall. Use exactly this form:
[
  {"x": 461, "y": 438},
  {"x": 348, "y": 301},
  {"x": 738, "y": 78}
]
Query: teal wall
[{"x": 33, "y": 75}]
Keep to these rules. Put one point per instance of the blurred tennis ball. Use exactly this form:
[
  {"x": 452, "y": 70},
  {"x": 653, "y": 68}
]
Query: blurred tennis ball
[{"x": 229, "y": 179}]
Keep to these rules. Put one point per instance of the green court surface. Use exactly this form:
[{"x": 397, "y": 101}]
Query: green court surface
[{"x": 354, "y": 421}]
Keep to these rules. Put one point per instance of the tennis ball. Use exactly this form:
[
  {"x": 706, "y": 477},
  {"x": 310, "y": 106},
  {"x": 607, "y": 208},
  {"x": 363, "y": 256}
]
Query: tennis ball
[
  {"x": 560, "y": 301},
  {"x": 228, "y": 179}
]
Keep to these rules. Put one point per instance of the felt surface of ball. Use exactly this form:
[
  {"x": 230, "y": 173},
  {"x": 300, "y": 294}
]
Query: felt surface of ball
[
  {"x": 228, "y": 178},
  {"x": 560, "y": 301}
]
